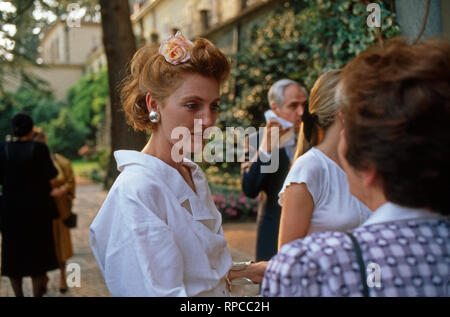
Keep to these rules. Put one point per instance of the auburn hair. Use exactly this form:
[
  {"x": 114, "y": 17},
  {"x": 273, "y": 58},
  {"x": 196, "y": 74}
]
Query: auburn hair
[
  {"x": 396, "y": 105},
  {"x": 150, "y": 73}
]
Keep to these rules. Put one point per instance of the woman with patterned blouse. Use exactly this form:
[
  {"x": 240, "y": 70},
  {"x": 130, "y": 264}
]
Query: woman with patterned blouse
[{"x": 395, "y": 150}]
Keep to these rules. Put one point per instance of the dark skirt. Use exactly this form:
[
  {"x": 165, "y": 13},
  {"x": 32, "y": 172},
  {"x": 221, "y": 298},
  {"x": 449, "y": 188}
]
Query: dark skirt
[
  {"x": 27, "y": 210},
  {"x": 28, "y": 247}
]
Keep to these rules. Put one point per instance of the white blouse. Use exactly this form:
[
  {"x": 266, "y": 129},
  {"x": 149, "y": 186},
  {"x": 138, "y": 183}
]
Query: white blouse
[
  {"x": 154, "y": 236},
  {"x": 335, "y": 208},
  {"x": 390, "y": 212}
]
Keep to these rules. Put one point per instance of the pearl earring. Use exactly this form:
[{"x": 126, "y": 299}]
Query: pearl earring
[{"x": 154, "y": 116}]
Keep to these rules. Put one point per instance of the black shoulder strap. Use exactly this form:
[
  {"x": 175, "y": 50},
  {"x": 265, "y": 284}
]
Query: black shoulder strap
[
  {"x": 362, "y": 266},
  {"x": 32, "y": 149},
  {"x": 7, "y": 151}
]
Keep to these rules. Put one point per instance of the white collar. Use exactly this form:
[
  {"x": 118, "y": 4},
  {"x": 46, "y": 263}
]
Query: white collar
[
  {"x": 202, "y": 205},
  {"x": 389, "y": 212}
]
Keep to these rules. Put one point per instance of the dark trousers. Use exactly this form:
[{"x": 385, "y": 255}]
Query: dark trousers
[{"x": 267, "y": 234}]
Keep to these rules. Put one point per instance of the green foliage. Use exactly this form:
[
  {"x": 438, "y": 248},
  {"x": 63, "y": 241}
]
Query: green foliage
[
  {"x": 41, "y": 106},
  {"x": 67, "y": 126},
  {"x": 300, "y": 40},
  {"x": 83, "y": 168},
  {"x": 88, "y": 99},
  {"x": 6, "y": 113},
  {"x": 65, "y": 134},
  {"x": 102, "y": 157},
  {"x": 94, "y": 168}
]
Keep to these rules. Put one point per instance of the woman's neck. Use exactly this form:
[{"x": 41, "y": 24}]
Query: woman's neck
[
  {"x": 161, "y": 149},
  {"x": 330, "y": 142}
]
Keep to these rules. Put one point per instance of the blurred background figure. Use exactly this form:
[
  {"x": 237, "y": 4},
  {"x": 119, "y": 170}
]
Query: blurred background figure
[
  {"x": 287, "y": 100},
  {"x": 64, "y": 193},
  {"x": 27, "y": 208}
]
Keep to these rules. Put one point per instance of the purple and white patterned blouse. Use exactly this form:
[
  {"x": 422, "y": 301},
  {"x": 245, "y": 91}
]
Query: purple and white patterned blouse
[{"x": 409, "y": 247}]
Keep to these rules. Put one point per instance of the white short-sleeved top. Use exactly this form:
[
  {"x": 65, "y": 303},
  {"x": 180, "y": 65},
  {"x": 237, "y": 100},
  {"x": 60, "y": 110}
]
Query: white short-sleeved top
[
  {"x": 154, "y": 236},
  {"x": 335, "y": 208}
]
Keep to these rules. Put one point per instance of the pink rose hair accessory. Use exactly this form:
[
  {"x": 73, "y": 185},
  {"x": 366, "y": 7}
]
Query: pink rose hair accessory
[{"x": 176, "y": 49}]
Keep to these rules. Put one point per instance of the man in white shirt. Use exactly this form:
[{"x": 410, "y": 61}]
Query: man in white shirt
[{"x": 287, "y": 100}]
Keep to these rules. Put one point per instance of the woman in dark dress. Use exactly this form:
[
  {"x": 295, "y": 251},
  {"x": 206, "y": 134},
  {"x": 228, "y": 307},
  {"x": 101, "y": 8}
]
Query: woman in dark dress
[{"x": 27, "y": 209}]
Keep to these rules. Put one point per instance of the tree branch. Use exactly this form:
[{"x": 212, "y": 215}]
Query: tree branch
[{"x": 424, "y": 22}]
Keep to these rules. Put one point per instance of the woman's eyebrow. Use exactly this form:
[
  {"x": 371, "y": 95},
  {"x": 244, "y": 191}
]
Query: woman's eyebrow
[
  {"x": 192, "y": 97},
  {"x": 198, "y": 98}
]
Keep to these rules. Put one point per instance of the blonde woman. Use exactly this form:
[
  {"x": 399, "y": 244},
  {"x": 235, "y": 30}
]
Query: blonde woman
[{"x": 315, "y": 196}]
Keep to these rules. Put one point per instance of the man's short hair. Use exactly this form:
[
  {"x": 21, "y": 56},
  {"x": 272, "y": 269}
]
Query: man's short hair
[{"x": 276, "y": 92}]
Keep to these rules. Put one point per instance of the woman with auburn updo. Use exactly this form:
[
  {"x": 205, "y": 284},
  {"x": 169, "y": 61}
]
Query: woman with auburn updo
[
  {"x": 158, "y": 233},
  {"x": 395, "y": 151}
]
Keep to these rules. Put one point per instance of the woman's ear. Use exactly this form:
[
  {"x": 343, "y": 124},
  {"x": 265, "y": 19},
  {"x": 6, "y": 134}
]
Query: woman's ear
[
  {"x": 150, "y": 102},
  {"x": 369, "y": 176}
]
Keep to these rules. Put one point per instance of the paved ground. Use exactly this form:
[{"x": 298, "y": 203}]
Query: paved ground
[{"x": 240, "y": 236}]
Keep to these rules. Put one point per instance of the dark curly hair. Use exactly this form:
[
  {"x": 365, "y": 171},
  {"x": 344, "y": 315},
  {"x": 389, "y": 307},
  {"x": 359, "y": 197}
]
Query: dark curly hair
[
  {"x": 396, "y": 102},
  {"x": 21, "y": 124}
]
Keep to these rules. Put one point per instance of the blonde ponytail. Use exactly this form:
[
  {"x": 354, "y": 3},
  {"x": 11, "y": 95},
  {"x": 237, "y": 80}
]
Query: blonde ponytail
[{"x": 320, "y": 113}]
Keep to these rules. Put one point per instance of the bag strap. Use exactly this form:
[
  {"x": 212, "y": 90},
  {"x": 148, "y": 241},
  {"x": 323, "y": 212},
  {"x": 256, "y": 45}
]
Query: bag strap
[
  {"x": 7, "y": 151},
  {"x": 33, "y": 143},
  {"x": 362, "y": 266}
]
